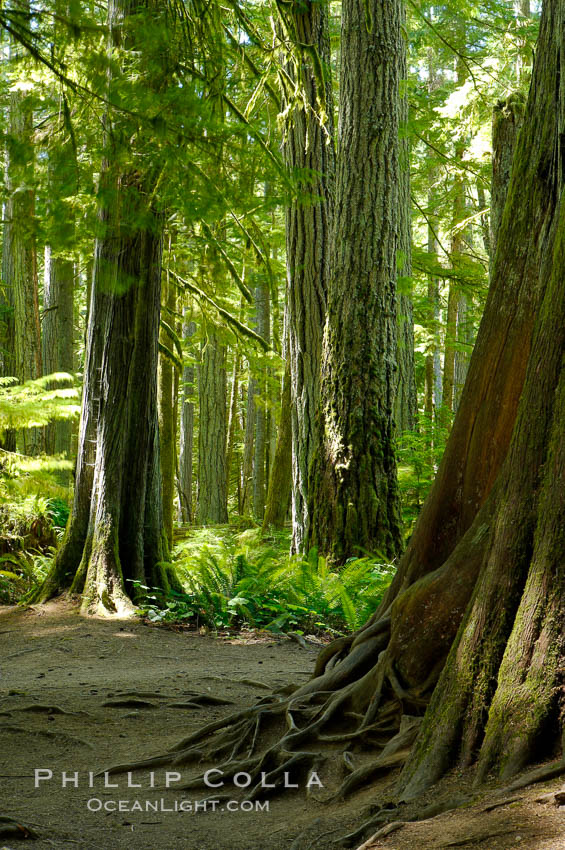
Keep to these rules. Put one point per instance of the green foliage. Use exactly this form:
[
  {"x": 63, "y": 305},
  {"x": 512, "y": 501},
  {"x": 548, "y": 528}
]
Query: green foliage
[
  {"x": 39, "y": 402},
  {"x": 419, "y": 455},
  {"x": 20, "y": 572},
  {"x": 235, "y": 580}
]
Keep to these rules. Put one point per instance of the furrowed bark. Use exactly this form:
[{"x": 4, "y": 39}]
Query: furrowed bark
[
  {"x": 308, "y": 148},
  {"x": 353, "y": 493},
  {"x": 212, "y": 497}
]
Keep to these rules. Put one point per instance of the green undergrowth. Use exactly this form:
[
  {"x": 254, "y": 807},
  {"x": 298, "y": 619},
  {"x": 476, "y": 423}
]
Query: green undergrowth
[
  {"x": 33, "y": 513},
  {"x": 419, "y": 454},
  {"x": 233, "y": 580}
]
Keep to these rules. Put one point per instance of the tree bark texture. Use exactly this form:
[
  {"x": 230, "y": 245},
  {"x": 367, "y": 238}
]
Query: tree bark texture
[
  {"x": 507, "y": 118},
  {"x": 22, "y": 251},
  {"x": 354, "y": 496},
  {"x": 248, "y": 442},
  {"x": 470, "y": 634},
  {"x": 186, "y": 429},
  {"x": 308, "y": 148},
  {"x": 278, "y": 497},
  {"x": 260, "y": 481},
  {"x": 406, "y": 406},
  {"x": 212, "y": 498},
  {"x": 166, "y": 408}
]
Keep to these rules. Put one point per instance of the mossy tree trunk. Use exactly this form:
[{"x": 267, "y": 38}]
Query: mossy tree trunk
[
  {"x": 353, "y": 494},
  {"x": 498, "y": 692},
  {"x": 278, "y": 497},
  {"x": 507, "y": 118}
]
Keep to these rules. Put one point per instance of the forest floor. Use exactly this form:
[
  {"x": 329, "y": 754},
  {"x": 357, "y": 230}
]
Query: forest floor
[{"x": 78, "y": 695}]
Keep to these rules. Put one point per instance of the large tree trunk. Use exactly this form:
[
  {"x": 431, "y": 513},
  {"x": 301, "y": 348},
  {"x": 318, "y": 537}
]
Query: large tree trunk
[
  {"x": 482, "y": 677},
  {"x": 114, "y": 534},
  {"x": 353, "y": 495},
  {"x": 308, "y": 147}
]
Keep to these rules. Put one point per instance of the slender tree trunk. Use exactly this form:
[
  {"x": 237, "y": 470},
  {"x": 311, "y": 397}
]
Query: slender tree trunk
[
  {"x": 434, "y": 383},
  {"x": 485, "y": 221},
  {"x": 433, "y": 364},
  {"x": 406, "y": 407},
  {"x": 7, "y": 325},
  {"x": 58, "y": 337},
  {"x": 232, "y": 415},
  {"x": 58, "y": 326},
  {"x": 262, "y": 305},
  {"x": 212, "y": 498},
  {"x": 166, "y": 408},
  {"x": 22, "y": 251},
  {"x": 248, "y": 441},
  {"x": 308, "y": 147},
  {"x": 448, "y": 383},
  {"x": 278, "y": 497},
  {"x": 186, "y": 428},
  {"x": 464, "y": 345},
  {"x": 354, "y": 496}
]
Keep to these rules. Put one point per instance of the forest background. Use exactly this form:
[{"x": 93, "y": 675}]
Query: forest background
[{"x": 218, "y": 133}]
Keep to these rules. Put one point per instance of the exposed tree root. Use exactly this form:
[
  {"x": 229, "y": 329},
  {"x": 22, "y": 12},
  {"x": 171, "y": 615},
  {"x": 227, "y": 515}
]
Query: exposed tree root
[
  {"x": 383, "y": 832},
  {"x": 386, "y": 816},
  {"x": 129, "y": 702},
  {"x": 500, "y": 803},
  {"x": 394, "y": 754},
  {"x": 540, "y": 774},
  {"x": 36, "y": 708},
  {"x": 11, "y": 828}
]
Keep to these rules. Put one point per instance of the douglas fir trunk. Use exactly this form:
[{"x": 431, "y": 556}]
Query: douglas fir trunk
[{"x": 353, "y": 498}]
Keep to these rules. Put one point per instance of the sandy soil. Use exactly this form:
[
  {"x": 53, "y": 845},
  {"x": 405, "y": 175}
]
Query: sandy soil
[{"x": 78, "y": 695}]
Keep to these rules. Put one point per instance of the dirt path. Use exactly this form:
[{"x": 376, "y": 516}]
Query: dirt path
[{"x": 78, "y": 695}]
